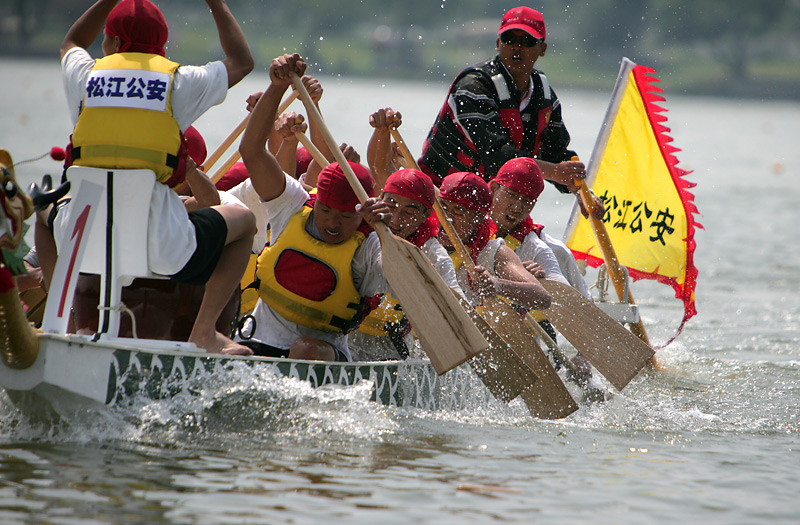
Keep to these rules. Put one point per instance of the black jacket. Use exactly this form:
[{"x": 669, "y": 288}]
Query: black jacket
[{"x": 474, "y": 129}]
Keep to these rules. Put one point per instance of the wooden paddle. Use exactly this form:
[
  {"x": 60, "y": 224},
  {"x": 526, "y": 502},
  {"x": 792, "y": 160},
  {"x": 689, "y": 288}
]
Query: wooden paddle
[
  {"x": 444, "y": 329},
  {"x": 612, "y": 261},
  {"x": 238, "y": 130},
  {"x": 316, "y": 154},
  {"x": 613, "y": 350},
  {"x": 547, "y": 398},
  {"x": 499, "y": 368},
  {"x": 590, "y": 393}
]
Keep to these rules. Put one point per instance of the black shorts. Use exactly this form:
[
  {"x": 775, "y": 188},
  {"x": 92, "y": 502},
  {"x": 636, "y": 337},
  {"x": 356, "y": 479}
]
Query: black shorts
[
  {"x": 265, "y": 350},
  {"x": 211, "y": 231}
]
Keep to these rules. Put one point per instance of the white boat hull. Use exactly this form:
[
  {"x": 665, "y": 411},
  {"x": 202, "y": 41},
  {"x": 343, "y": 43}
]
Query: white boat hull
[{"x": 72, "y": 368}]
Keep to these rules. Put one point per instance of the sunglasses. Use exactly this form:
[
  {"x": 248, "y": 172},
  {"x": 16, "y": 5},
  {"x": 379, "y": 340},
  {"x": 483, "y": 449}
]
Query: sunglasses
[{"x": 524, "y": 40}]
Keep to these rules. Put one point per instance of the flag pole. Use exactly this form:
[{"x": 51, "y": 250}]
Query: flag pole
[{"x": 613, "y": 266}]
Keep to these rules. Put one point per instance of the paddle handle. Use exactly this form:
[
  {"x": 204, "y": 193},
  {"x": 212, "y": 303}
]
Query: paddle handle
[
  {"x": 314, "y": 113},
  {"x": 223, "y": 169},
  {"x": 613, "y": 266},
  {"x": 223, "y": 147},
  {"x": 444, "y": 220},
  {"x": 312, "y": 149},
  {"x": 404, "y": 151},
  {"x": 557, "y": 352},
  {"x": 238, "y": 130}
]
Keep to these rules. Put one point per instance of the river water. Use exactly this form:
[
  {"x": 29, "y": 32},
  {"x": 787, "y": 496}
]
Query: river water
[{"x": 712, "y": 438}]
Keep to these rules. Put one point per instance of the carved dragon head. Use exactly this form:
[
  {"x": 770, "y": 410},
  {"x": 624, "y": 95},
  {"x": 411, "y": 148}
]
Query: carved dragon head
[{"x": 16, "y": 205}]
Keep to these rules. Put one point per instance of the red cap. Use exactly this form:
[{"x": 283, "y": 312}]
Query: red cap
[
  {"x": 522, "y": 175},
  {"x": 468, "y": 190},
  {"x": 412, "y": 184},
  {"x": 195, "y": 145},
  {"x": 302, "y": 160},
  {"x": 140, "y": 26},
  {"x": 335, "y": 192},
  {"x": 529, "y": 20},
  {"x": 233, "y": 177}
]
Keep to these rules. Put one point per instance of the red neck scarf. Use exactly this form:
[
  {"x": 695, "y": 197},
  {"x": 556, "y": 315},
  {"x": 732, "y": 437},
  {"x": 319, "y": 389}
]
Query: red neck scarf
[
  {"x": 524, "y": 228},
  {"x": 486, "y": 231},
  {"x": 426, "y": 231}
]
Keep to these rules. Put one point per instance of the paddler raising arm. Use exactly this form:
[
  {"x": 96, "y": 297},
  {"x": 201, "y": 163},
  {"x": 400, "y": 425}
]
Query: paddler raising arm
[
  {"x": 209, "y": 246},
  {"x": 322, "y": 261}
]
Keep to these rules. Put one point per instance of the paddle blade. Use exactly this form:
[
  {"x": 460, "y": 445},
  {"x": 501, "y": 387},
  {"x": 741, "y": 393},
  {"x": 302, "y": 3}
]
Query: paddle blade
[
  {"x": 547, "y": 398},
  {"x": 443, "y": 327},
  {"x": 499, "y": 368},
  {"x": 616, "y": 353}
]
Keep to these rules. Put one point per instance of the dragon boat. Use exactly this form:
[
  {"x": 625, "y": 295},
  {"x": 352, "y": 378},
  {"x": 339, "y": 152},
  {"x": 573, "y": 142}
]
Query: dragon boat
[{"x": 66, "y": 370}]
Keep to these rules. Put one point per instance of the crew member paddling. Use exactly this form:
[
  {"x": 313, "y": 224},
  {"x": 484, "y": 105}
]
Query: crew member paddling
[
  {"x": 514, "y": 193},
  {"x": 410, "y": 195},
  {"x": 467, "y": 200},
  {"x": 322, "y": 261}
]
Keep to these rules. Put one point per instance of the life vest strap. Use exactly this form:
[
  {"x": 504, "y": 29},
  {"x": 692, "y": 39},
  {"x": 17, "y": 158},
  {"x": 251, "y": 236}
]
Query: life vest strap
[
  {"x": 315, "y": 314},
  {"x": 127, "y": 152}
]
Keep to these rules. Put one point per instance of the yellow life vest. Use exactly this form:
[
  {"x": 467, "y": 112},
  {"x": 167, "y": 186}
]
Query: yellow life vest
[
  {"x": 134, "y": 88},
  {"x": 308, "y": 281},
  {"x": 249, "y": 293},
  {"x": 388, "y": 311},
  {"x": 512, "y": 242}
]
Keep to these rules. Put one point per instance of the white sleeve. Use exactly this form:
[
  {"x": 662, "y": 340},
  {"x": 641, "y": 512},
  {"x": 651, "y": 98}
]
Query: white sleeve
[
  {"x": 226, "y": 198},
  {"x": 75, "y": 68},
  {"x": 443, "y": 263},
  {"x": 196, "y": 89},
  {"x": 534, "y": 249},
  {"x": 246, "y": 194},
  {"x": 281, "y": 208},
  {"x": 368, "y": 268},
  {"x": 566, "y": 261}
]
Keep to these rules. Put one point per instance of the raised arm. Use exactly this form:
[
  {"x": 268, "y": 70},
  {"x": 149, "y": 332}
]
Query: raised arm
[
  {"x": 86, "y": 29},
  {"x": 314, "y": 89},
  {"x": 265, "y": 173},
  {"x": 285, "y": 126},
  {"x": 238, "y": 59},
  {"x": 379, "y": 149}
]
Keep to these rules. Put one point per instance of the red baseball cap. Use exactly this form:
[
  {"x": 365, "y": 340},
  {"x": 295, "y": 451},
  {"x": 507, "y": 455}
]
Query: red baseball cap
[
  {"x": 412, "y": 184},
  {"x": 524, "y": 18},
  {"x": 522, "y": 175},
  {"x": 334, "y": 191},
  {"x": 468, "y": 190}
]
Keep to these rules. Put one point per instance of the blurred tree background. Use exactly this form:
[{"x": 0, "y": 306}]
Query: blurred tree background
[{"x": 714, "y": 47}]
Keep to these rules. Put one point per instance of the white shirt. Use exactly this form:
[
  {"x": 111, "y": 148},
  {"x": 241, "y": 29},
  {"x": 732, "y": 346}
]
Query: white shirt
[
  {"x": 443, "y": 263},
  {"x": 486, "y": 258},
  {"x": 195, "y": 89},
  {"x": 245, "y": 192},
  {"x": 569, "y": 268},
  {"x": 535, "y": 249},
  {"x": 275, "y": 330}
]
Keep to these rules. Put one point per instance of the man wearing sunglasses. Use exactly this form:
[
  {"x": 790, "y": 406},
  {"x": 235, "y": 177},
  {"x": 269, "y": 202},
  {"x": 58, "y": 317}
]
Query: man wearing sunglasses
[{"x": 501, "y": 109}]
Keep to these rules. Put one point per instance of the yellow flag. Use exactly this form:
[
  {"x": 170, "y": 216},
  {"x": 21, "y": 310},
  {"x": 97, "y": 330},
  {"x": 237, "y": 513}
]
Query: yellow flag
[{"x": 649, "y": 213}]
